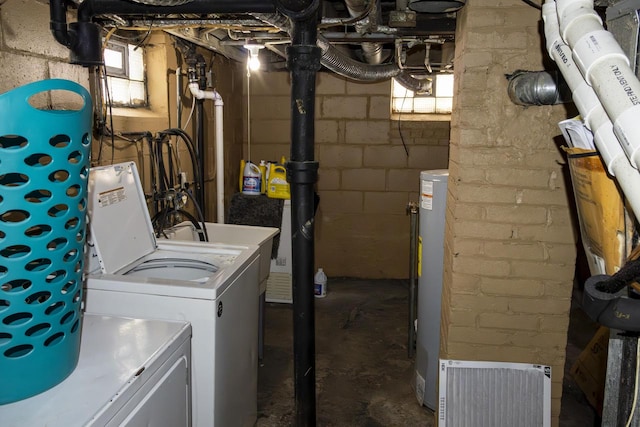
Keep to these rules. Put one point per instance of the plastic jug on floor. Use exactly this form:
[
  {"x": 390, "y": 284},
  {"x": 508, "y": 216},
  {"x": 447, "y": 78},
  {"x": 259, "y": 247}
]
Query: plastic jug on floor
[{"x": 320, "y": 284}]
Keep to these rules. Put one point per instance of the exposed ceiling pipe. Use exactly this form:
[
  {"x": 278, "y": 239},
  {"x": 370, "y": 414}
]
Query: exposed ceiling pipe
[
  {"x": 341, "y": 64},
  {"x": 372, "y": 52},
  {"x": 538, "y": 88},
  {"x": 83, "y": 38},
  {"x": 90, "y": 8}
]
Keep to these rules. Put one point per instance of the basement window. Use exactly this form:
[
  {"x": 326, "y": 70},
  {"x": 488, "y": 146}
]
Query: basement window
[
  {"x": 436, "y": 106},
  {"x": 125, "y": 69}
]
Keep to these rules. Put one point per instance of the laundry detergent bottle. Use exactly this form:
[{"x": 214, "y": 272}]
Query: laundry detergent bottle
[{"x": 251, "y": 179}]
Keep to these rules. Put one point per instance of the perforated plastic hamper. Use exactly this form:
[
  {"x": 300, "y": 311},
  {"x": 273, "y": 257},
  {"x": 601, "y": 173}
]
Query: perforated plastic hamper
[{"x": 44, "y": 164}]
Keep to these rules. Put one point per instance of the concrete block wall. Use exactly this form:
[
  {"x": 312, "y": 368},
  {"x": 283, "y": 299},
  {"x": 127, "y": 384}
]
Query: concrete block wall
[
  {"x": 509, "y": 243},
  {"x": 28, "y": 51},
  {"x": 369, "y": 168}
]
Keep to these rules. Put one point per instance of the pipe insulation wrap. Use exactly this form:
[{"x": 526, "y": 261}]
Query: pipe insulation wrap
[
  {"x": 594, "y": 49},
  {"x": 617, "y": 87},
  {"x": 219, "y": 144},
  {"x": 592, "y": 111},
  {"x": 584, "y": 97},
  {"x": 606, "y": 68},
  {"x": 628, "y": 132}
]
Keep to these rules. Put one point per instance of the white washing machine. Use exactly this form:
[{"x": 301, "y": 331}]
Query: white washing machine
[
  {"x": 213, "y": 286},
  {"x": 130, "y": 372}
]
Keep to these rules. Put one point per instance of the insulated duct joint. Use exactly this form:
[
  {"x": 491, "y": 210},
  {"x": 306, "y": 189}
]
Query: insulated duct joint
[{"x": 537, "y": 88}]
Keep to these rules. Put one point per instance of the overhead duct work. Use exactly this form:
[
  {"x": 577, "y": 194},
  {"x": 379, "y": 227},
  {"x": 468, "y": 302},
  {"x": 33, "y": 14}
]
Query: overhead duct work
[
  {"x": 336, "y": 61},
  {"x": 224, "y": 26}
]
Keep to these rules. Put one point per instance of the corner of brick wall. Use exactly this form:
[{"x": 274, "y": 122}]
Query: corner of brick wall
[{"x": 510, "y": 245}]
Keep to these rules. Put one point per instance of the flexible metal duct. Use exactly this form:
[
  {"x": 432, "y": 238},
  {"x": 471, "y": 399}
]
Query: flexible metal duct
[
  {"x": 340, "y": 63},
  {"x": 345, "y": 66},
  {"x": 538, "y": 88}
]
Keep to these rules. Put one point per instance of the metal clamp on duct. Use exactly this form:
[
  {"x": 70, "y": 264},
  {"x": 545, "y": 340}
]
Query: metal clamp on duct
[{"x": 606, "y": 299}]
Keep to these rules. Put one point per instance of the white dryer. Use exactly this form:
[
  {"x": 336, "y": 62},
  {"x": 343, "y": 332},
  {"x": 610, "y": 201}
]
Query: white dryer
[
  {"x": 213, "y": 286},
  {"x": 130, "y": 373}
]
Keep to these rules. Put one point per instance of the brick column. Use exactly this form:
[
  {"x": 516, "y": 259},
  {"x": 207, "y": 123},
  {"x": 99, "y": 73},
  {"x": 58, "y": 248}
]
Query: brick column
[{"x": 510, "y": 246}]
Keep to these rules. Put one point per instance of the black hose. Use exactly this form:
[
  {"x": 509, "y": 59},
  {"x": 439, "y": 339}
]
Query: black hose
[
  {"x": 628, "y": 274},
  {"x": 190, "y": 148},
  {"x": 204, "y": 228}
]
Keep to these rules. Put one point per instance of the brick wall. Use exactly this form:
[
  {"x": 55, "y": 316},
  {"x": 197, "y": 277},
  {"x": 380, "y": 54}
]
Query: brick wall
[
  {"x": 366, "y": 177},
  {"x": 510, "y": 246}
]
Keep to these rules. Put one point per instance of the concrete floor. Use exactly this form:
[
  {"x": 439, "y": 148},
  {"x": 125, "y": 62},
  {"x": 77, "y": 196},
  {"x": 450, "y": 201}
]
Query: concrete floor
[{"x": 363, "y": 374}]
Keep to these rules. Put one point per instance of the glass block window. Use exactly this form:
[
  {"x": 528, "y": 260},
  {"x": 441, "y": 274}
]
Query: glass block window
[
  {"x": 407, "y": 105},
  {"x": 125, "y": 74}
]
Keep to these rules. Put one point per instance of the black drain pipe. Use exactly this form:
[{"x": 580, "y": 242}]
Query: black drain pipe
[
  {"x": 302, "y": 173},
  {"x": 197, "y": 74}
]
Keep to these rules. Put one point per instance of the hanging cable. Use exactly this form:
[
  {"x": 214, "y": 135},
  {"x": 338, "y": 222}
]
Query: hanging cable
[
  {"x": 248, "y": 115},
  {"x": 193, "y": 106}
]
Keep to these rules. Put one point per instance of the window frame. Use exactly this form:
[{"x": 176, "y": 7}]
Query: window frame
[
  {"x": 124, "y": 73},
  {"x": 400, "y": 115}
]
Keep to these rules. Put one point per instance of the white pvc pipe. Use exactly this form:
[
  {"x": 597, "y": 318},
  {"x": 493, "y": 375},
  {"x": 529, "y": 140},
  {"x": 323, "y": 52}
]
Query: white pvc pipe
[
  {"x": 606, "y": 68},
  {"x": 219, "y": 143},
  {"x": 591, "y": 111}
]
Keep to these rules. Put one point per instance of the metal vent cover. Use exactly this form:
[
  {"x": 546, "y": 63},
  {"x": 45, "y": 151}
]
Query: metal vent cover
[{"x": 494, "y": 394}]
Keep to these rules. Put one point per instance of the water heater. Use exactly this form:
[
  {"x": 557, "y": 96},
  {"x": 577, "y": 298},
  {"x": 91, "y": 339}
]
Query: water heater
[{"x": 433, "y": 196}]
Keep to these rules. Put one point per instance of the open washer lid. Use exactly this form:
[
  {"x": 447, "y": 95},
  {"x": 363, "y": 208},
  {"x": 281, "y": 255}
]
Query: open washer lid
[{"x": 121, "y": 229}]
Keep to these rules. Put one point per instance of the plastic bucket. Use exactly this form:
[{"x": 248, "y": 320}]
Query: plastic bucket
[{"x": 44, "y": 164}]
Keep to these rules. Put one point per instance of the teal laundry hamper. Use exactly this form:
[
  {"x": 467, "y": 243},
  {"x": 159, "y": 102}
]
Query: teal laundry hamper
[{"x": 44, "y": 167}]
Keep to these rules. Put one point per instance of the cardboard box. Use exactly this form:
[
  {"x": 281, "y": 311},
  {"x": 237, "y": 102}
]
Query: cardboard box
[{"x": 590, "y": 370}]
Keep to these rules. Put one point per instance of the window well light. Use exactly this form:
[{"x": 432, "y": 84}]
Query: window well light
[{"x": 254, "y": 61}]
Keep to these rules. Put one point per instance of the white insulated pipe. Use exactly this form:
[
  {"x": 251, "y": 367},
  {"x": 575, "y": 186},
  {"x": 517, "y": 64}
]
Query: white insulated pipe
[
  {"x": 606, "y": 68},
  {"x": 219, "y": 143},
  {"x": 591, "y": 110}
]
